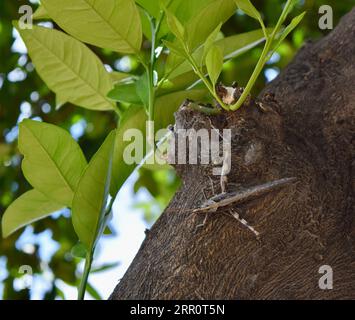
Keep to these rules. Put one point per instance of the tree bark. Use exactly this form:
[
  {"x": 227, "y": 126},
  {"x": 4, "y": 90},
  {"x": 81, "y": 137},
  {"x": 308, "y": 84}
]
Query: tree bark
[{"x": 305, "y": 129}]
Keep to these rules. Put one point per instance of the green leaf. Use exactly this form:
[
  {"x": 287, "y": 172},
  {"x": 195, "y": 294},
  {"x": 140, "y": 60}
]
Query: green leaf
[
  {"x": 182, "y": 9},
  {"x": 178, "y": 83},
  {"x": 238, "y": 44},
  {"x": 232, "y": 47},
  {"x": 105, "y": 267},
  {"x": 60, "y": 101},
  {"x": 146, "y": 25},
  {"x": 175, "y": 48},
  {"x": 186, "y": 10},
  {"x": 167, "y": 105},
  {"x": 293, "y": 24},
  {"x": 214, "y": 63},
  {"x": 125, "y": 92},
  {"x": 41, "y": 14},
  {"x": 152, "y": 7},
  {"x": 93, "y": 292},
  {"x": 28, "y": 208},
  {"x": 175, "y": 25},
  {"x": 60, "y": 293},
  {"x": 209, "y": 42},
  {"x": 200, "y": 18},
  {"x": 289, "y": 7},
  {"x": 142, "y": 89},
  {"x": 133, "y": 92},
  {"x": 154, "y": 11},
  {"x": 111, "y": 24},
  {"x": 90, "y": 198},
  {"x": 108, "y": 231},
  {"x": 136, "y": 117},
  {"x": 79, "y": 251},
  {"x": 69, "y": 68},
  {"x": 119, "y": 76},
  {"x": 53, "y": 161},
  {"x": 201, "y": 25},
  {"x": 248, "y": 8},
  {"x": 206, "y": 21}
]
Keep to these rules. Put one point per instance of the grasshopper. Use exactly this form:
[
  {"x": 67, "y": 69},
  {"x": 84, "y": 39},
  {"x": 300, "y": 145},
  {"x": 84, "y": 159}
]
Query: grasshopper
[{"x": 224, "y": 200}]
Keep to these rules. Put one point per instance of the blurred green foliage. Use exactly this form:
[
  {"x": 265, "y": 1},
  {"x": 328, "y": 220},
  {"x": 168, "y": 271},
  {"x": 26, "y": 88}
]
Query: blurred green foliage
[{"x": 23, "y": 94}]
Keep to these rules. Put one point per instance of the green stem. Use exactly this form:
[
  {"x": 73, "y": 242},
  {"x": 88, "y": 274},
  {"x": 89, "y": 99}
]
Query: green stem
[
  {"x": 253, "y": 78},
  {"x": 151, "y": 95},
  {"x": 150, "y": 71},
  {"x": 118, "y": 111},
  {"x": 89, "y": 258},
  {"x": 264, "y": 28},
  {"x": 161, "y": 18},
  {"x": 203, "y": 109},
  {"x": 262, "y": 60},
  {"x": 208, "y": 85},
  {"x": 155, "y": 28},
  {"x": 110, "y": 205},
  {"x": 85, "y": 277}
]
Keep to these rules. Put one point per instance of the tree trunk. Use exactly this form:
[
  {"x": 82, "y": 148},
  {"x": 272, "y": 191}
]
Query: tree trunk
[{"x": 304, "y": 129}]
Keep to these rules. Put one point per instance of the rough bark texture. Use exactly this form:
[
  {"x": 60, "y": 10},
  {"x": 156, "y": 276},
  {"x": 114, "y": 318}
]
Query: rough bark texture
[{"x": 306, "y": 131}]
